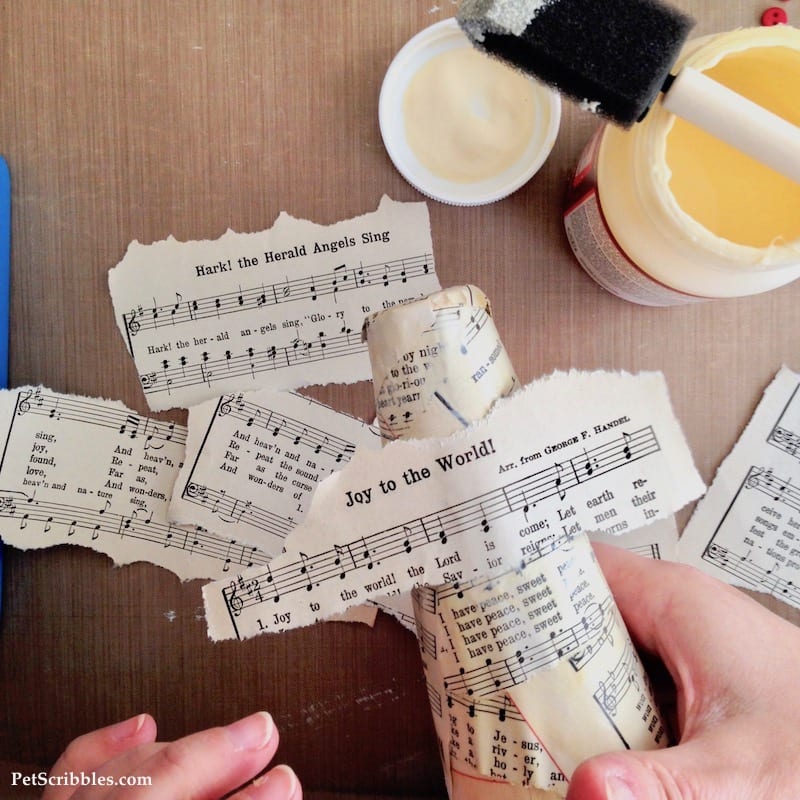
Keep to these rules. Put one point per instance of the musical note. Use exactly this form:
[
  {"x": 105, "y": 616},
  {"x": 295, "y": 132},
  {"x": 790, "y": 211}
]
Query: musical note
[
  {"x": 130, "y": 426},
  {"x": 562, "y": 492},
  {"x": 346, "y": 452},
  {"x": 178, "y": 301},
  {"x": 304, "y": 570},
  {"x": 335, "y": 281},
  {"x": 340, "y": 551},
  {"x": 503, "y": 711},
  {"x": 484, "y": 523},
  {"x": 366, "y": 555},
  {"x": 626, "y": 450},
  {"x": 590, "y": 464},
  {"x": 320, "y": 445}
]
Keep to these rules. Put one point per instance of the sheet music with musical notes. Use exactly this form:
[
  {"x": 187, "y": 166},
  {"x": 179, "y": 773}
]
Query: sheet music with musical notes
[
  {"x": 507, "y": 491},
  {"x": 509, "y": 659},
  {"x": 253, "y": 461},
  {"x": 658, "y": 539},
  {"x": 278, "y": 309},
  {"x": 92, "y": 472},
  {"x": 746, "y": 530}
]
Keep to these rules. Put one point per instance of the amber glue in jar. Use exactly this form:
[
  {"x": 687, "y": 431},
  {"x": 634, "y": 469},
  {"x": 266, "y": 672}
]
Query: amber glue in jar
[{"x": 663, "y": 213}]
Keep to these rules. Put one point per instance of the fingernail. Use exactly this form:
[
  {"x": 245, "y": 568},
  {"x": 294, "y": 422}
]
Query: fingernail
[
  {"x": 251, "y": 733},
  {"x": 127, "y": 728},
  {"x": 280, "y": 783},
  {"x": 618, "y": 789}
]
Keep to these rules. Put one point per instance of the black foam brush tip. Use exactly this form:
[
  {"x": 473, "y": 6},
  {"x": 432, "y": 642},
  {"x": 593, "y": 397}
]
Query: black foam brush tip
[{"x": 613, "y": 56}]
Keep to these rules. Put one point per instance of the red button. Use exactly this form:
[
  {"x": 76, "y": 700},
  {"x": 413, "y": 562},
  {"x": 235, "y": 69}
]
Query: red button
[{"x": 774, "y": 16}]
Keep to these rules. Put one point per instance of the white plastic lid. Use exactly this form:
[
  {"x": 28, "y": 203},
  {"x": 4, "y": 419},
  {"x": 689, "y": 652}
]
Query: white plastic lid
[{"x": 427, "y": 44}]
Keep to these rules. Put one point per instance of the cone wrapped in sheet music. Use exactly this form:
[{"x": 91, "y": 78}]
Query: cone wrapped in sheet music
[{"x": 532, "y": 672}]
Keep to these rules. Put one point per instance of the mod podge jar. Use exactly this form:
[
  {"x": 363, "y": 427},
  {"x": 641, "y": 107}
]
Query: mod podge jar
[{"x": 664, "y": 213}]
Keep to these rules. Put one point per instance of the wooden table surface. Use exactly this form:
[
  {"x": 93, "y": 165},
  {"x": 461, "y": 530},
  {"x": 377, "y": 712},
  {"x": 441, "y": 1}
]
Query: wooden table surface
[{"x": 138, "y": 120}]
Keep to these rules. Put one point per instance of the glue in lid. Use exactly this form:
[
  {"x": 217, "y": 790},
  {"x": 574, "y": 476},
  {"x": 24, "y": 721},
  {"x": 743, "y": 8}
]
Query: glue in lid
[{"x": 459, "y": 125}]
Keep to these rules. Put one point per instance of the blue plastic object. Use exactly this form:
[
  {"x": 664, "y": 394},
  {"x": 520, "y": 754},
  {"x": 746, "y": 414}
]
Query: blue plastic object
[{"x": 5, "y": 263}]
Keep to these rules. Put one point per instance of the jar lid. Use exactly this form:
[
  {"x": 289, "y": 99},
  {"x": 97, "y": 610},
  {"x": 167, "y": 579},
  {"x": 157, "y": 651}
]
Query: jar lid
[{"x": 474, "y": 139}]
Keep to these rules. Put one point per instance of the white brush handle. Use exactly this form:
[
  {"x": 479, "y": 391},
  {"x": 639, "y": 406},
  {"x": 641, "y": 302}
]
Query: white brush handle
[{"x": 736, "y": 120}]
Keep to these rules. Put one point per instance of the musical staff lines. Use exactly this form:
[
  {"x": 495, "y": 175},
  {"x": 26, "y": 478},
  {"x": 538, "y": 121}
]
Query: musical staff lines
[
  {"x": 448, "y": 317},
  {"x": 100, "y": 522},
  {"x": 503, "y": 708},
  {"x": 649, "y": 550},
  {"x": 427, "y": 641},
  {"x": 611, "y": 691},
  {"x": 340, "y": 279},
  {"x": 577, "y": 642},
  {"x": 785, "y": 433},
  {"x": 779, "y": 490},
  {"x": 786, "y": 440},
  {"x": 755, "y": 539},
  {"x": 753, "y": 575},
  {"x": 236, "y": 510},
  {"x": 288, "y": 575},
  {"x": 255, "y": 424},
  {"x": 250, "y": 362},
  {"x": 429, "y": 597},
  {"x": 279, "y": 425},
  {"x": 153, "y": 433}
]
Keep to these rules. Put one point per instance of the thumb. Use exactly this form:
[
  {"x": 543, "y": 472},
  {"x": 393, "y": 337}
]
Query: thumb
[
  {"x": 677, "y": 773},
  {"x": 624, "y": 776}
]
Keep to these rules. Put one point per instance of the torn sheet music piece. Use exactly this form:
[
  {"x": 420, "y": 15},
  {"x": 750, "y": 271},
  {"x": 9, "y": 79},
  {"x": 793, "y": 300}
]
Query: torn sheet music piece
[
  {"x": 94, "y": 473},
  {"x": 746, "y": 530},
  {"x": 254, "y": 460},
  {"x": 544, "y": 464},
  {"x": 278, "y": 309}
]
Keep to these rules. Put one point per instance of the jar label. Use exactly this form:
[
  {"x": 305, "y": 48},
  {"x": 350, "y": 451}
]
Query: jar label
[{"x": 597, "y": 250}]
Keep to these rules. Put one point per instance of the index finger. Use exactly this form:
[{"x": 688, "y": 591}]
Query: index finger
[{"x": 208, "y": 764}]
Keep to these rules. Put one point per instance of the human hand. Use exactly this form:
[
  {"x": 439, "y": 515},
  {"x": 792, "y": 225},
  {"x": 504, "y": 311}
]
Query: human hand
[
  {"x": 204, "y": 766},
  {"x": 734, "y": 667}
]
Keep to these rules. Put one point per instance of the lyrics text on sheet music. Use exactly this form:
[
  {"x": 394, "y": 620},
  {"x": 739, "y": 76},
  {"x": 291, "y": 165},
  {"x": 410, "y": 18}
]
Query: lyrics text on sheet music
[{"x": 373, "y": 553}]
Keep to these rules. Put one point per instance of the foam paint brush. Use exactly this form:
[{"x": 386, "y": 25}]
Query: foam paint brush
[{"x": 615, "y": 57}]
